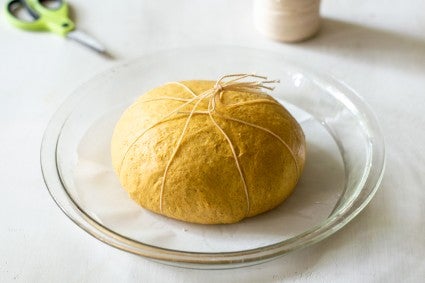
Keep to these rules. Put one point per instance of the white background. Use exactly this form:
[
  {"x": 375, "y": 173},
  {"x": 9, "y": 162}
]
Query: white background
[{"x": 377, "y": 47}]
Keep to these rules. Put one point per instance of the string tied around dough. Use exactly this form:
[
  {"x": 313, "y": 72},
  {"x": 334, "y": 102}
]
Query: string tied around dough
[{"x": 232, "y": 82}]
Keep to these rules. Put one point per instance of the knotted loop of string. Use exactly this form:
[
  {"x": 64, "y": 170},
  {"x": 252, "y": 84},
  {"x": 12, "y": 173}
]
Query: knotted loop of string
[{"x": 218, "y": 88}]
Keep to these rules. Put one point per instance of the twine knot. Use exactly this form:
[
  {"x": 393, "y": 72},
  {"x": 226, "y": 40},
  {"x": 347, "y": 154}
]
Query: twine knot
[{"x": 218, "y": 88}]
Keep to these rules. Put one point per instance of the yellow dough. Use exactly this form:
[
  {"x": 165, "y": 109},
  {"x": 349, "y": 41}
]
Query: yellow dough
[{"x": 238, "y": 156}]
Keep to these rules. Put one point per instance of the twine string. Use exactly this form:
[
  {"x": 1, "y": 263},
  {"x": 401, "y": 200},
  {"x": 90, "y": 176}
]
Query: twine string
[
  {"x": 162, "y": 120},
  {"x": 235, "y": 157},
  {"x": 186, "y": 125}
]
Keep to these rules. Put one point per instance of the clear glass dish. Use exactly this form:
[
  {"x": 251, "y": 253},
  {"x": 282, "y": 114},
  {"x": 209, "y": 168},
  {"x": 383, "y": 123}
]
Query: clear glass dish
[{"x": 345, "y": 161}]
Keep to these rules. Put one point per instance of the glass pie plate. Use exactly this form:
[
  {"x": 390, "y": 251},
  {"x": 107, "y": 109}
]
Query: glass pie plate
[{"x": 344, "y": 162}]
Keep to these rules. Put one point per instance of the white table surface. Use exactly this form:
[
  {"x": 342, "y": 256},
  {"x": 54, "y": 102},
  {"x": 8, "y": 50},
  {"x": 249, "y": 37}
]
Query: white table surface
[{"x": 377, "y": 47}]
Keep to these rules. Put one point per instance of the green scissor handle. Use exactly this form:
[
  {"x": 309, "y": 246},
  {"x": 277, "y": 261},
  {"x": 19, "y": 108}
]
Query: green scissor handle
[{"x": 44, "y": 18}]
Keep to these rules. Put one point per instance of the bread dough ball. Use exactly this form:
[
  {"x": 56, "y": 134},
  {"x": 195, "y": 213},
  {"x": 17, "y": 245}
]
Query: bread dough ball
[{"x": 238, "y": 160}]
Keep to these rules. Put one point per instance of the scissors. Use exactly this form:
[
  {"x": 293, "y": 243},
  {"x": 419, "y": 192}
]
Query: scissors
[{"x": 52, "y": 16}]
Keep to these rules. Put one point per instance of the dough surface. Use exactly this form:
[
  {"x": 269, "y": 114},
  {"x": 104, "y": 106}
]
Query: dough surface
[{"x": 203, "y": 183}]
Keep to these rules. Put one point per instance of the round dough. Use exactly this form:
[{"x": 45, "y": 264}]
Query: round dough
[{"x": 203, "y": 183}]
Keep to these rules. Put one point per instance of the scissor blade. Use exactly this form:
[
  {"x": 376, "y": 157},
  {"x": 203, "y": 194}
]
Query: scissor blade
[{"x": 86, "y": 40}]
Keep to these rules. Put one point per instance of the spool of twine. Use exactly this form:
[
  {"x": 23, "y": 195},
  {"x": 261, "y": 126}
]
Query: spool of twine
[{"x": 287, "y": 20}]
